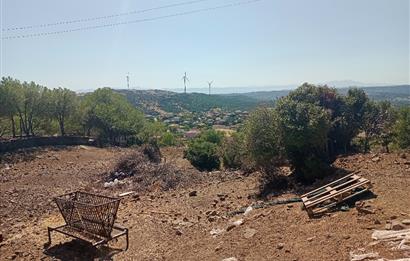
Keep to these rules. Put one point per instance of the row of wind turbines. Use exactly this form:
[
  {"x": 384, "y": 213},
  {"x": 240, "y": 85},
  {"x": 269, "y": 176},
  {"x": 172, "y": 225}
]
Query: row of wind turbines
[{"x": 184, "y": 78}]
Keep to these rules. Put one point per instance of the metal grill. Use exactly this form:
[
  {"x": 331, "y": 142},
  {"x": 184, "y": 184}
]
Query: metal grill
[{"x": 91, "y": 213}]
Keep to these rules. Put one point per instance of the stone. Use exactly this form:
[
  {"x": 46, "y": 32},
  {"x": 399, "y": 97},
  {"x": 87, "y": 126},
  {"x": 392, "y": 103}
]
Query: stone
[
  {"x": 404, "y": 221},
  {"x": 388, "y": 226},
  {"x": 377, "y": 222},
  {"x": 178, "y": 232},
  {"x": 397, "y": 225},
  {"x": 310, "y": 239},
  {"x": 230, "y": 227},
  {"x": 211, "y": 219},
  {"x": 249, "y": 232},
  {"x": 193, "y": 193},
  {"x": 230, "y": 259},
  {"x": 376, "y": 159},
  {"x": 280, "y": 246}
]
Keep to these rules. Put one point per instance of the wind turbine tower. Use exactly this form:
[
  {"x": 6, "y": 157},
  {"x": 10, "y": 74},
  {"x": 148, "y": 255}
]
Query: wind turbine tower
[
  {"x": 185, "y": 79},
  {"x": 209, "y": 85},
  {"x": 128, "y": 81}
]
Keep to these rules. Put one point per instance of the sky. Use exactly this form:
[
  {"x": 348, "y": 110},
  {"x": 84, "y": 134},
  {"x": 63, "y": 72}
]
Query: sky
[{"x": 262, "y": 43}]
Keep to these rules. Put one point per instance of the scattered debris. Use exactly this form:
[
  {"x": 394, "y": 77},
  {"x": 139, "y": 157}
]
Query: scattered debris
[
  {"x": 248, "y": 210},
  {"x": 265, "y": 204},
  {"x": 113, "y": 183},
  {"x": 145, "y": 172},
  {"x": 400, "y": 240},
  {"x": 126, "y": 193},
  {"x": 362, "y": 256},
  {"x": 249, "y": 232},
  {"x": 363, "y": 208},
  {"x": 216, "y": 232},
  {"x": 326, "y": 197}
]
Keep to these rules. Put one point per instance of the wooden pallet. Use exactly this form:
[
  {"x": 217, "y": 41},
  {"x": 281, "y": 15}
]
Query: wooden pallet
[{"x": 320, "y": 200}]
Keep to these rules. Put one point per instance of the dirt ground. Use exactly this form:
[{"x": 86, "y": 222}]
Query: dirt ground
[{"x": 176, "y": 226}]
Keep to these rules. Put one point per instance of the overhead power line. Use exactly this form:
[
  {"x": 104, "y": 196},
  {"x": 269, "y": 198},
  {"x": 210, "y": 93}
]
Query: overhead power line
[
  {"x": 90, "y": 19},
  {"x": 86, "y": 28}
]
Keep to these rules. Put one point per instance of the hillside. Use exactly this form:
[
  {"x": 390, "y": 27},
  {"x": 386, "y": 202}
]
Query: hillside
[
  {"x": 398, "y": 94},
  {"x": 160, "y": 101},
  {"x": 157, "y": 101}
]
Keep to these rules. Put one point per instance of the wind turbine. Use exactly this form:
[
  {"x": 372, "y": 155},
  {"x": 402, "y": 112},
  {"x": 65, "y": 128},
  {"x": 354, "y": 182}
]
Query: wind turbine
[
  {"x": 128, "y": 81},
  {"x": 209, "y": 85},
  {"x": 185, "y": 79}
]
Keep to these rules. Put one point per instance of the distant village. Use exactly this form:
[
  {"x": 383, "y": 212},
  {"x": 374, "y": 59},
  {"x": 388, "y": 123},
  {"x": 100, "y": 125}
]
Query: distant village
[{"x": 190, "y": 124}]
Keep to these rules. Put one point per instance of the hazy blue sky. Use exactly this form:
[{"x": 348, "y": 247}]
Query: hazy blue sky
[{"x": 270, "y": 42}]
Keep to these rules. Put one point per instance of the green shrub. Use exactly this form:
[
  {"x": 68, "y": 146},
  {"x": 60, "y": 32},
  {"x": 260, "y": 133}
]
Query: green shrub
[
  {"x": 168, "y": 139},
  {"x": 233, "y": 152},
  {"x": 402, "y": 128},
  {"x": 202, "y": 151},
  {"x": 262, "y": 138}
]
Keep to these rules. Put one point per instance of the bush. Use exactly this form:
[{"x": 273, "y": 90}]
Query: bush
[
  {"x": 234, "y": 154},
  {"x": 262, "y": 138},
  {"x": 202, "y": 151},
  {"x": 168, "y": 139},
  {"x": 402, "y": 128}
]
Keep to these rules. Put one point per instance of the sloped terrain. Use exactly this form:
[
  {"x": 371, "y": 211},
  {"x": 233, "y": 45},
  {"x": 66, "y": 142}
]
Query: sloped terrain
[
  {"x": 160, "y": 101},
  {"x": 195, "y": 222}
]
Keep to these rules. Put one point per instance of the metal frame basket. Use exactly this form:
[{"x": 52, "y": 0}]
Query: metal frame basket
[{"x": 89, "y": 217}]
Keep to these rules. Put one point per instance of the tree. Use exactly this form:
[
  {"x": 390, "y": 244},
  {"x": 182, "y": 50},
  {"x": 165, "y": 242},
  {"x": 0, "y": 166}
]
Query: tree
[
  {"x": 111, "y": 116},
  {"x": 63, "y": 105},
  {"x": 8, "y": 100},
  {"x": 377, "y": 122},
  {"x": 334, "y": 104},
  {"x": 353, "y": 115},
  {"x": 303, "y": 128}
]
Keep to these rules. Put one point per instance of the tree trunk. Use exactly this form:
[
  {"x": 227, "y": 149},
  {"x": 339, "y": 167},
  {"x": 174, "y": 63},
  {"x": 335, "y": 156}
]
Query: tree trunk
[
  {"x": 13, "y": 127},
  {"x": 366, "y": 143},
  {"x": 62, "y": 127}
]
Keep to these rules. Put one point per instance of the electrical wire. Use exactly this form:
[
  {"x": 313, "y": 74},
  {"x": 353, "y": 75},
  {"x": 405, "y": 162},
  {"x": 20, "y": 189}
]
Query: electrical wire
[
  {"x": 131, "y": 21},
  {"x": 103, "y": 17}
]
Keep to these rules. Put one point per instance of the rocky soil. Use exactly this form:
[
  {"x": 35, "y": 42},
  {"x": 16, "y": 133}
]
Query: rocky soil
[{"x": 195, "y": 222}]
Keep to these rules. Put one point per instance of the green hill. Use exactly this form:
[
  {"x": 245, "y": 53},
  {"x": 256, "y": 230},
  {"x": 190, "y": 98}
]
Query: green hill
[
  {"x": 157, "y": 101},
  {"x": 397, "y": 94},
  {"x": 161, "y": 101}
]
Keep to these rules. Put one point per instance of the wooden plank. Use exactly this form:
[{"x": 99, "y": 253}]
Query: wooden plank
[
  {"x": 319, "y": 200},
  {"x": 331, "y": 183},
  {"x": 324, "y": 208},
  {"x": 351, "y": 187},
  {"x": 335, "y": 188}
]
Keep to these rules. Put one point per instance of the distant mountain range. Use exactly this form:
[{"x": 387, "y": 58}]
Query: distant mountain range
[{"x": 161, "y": 101}]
